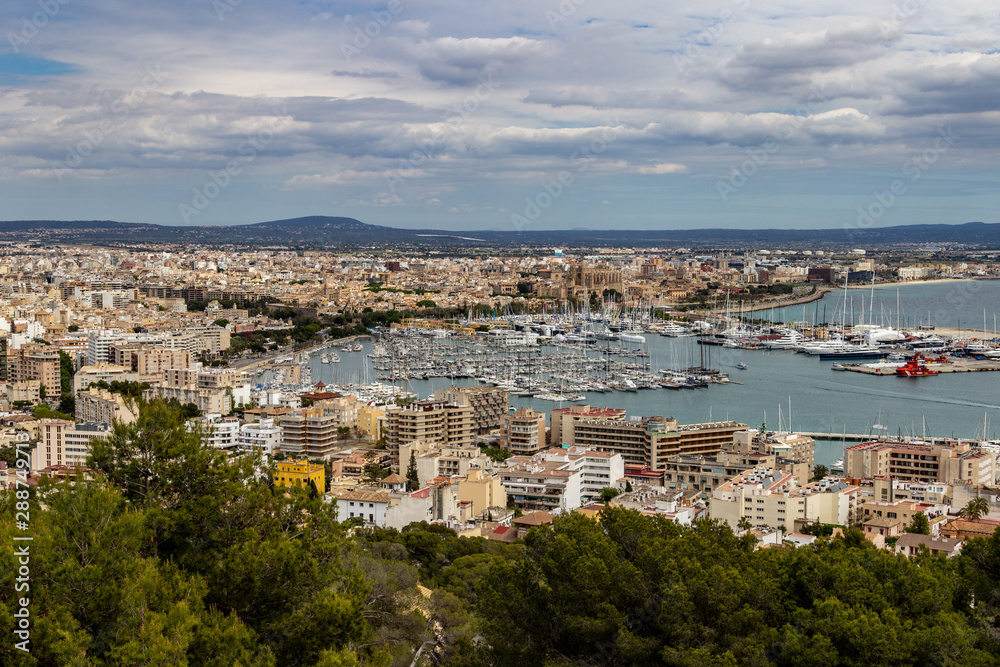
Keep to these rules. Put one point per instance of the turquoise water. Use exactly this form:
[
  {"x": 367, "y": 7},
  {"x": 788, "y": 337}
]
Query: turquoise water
[{"x": 822, "y": 400}]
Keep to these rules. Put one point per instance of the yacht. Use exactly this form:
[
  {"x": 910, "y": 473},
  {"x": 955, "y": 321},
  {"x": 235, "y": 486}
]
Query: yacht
[
  {"x": 788, "y": 340},
  {"x": 672, "y": 330}
]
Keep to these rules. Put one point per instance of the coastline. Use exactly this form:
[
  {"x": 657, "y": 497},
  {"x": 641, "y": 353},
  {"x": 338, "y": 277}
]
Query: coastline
[{"x": 901, "y": 283}]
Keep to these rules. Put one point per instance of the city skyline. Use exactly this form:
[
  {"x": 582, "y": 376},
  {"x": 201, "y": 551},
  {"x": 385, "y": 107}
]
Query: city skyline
[{"x": 534, "y": 116}]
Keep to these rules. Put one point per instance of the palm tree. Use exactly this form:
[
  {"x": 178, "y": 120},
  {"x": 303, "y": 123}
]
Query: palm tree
[
  {"x": 744, "y": 524},
  {"x": 975, "y": 509}
]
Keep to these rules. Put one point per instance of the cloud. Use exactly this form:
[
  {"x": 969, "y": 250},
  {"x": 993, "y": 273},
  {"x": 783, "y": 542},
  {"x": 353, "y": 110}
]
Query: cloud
[
  {"x": 365, "y": 73},
  {"x": 611, "y": 94},
  {"x": 663, "y": 168}
]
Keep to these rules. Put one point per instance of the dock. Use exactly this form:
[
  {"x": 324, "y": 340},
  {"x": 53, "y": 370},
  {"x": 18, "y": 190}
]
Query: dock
[
  {"x": 853, "y": 437},
  {"x": 958, "y": 365}
]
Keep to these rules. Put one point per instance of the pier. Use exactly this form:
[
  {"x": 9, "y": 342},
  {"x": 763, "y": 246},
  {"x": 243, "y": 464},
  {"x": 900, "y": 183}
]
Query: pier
[
  {"x": 853, "y": 437},
  {"x": 956, "y": 365}
]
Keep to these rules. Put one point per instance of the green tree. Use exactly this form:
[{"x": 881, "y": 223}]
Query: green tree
[
  {"x": 66, "y": 372},
  {"x": 975, "y": 509},
  {"x": 608, "y": 493},
  {"x": 372, "y": 472},
  {"x": 919, "y": 524},
  {"x": 819, "y": 472},
  {"x": 412, "y": 479},
  {"x": 221, "y": 322},
  {"x": 426, "y": 303},
  {"x": 343, "y": 432}
]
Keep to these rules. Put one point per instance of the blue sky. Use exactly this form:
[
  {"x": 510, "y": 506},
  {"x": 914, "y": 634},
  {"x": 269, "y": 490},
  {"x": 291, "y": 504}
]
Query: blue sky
[{"x": 502, "y": 115}]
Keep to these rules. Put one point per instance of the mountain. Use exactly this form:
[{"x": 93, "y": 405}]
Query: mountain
[{"x": 324, "y": 232}]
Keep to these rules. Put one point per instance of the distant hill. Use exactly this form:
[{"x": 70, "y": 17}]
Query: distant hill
[{"x": 324, "y": 231}]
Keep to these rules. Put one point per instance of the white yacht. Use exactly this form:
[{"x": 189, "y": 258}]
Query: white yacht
[{"x": 790, "y": 339}]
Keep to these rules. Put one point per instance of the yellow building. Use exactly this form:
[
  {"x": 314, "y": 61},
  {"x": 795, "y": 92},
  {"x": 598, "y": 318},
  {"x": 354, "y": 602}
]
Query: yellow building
[
  {"x": 369, "y": 421},
  {"x": 298, "y": 473},
  {"x": 482, "y": 490}
]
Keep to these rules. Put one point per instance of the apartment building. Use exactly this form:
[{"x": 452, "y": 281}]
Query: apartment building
[
  {"x": 217, "y": 431},
  {"x": 890, "y": 490},
  {"x": 434, "y": 459},
  {"x": 100, "y": 372},
  {"x": 790, "y": 446},
  {"x": 99, "y": 343},
  {"x": 428, "y": 421},
  {"x": 541, "y": 485},
  {"x": 25, "y": 391},
  {"x": 263, "y": 436},
  {"x": 100, "y": 405},
  {"x": 483, "y": 490},
  {"x": 343, "y": 408},
  {"x": 35, "y": 362},
  {"x": 207, "y": 341},
  {"x": 523, "y": 433},
  {"x": 681, "y": 473},
  {"x": 207, "y": 400},
  {"x": 898, "y": 514},
  {"x": 912, "y": 462},
  {"x": 650, "y": 441},
  {"x": 489, "y": 404},
  {"x": 369, "y": 421},
  {"x": 65, "y": 443},
  {"x": 560, "y": 480},
  {"x": 771, "y": 498},
  {"x": 562, "y": 421},
  {"x": 308, "y": 432}
]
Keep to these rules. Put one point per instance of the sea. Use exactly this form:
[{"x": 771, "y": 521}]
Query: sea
[{"x": 785, "y": 390}]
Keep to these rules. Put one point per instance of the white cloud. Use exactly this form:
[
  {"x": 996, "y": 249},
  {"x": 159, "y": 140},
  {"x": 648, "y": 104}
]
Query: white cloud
[
  {"x": 663, "y": 168},
  {"x": 608, "y": 95}
]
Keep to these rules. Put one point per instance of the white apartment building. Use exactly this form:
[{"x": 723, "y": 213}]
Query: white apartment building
[
  {"x": 217, "y": 431},
  {"x": 263, "y": 436},
  {"x": 598, "y": 470},
  {"x": 99, "y": 343},
  {"x": 560, "y": 480}
]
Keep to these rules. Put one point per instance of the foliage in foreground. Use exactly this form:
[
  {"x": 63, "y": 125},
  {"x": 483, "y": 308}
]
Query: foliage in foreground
[{"x": 176, "y": 555}]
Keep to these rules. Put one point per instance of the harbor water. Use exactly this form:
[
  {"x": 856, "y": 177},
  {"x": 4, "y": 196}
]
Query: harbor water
[{"x": 788, "y": 390}]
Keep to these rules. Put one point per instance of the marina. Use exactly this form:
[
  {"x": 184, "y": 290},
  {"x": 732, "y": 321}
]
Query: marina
[{"x": 780, "y": 387}]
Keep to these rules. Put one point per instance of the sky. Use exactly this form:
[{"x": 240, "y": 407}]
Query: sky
[{"x": 513, "y": 115}]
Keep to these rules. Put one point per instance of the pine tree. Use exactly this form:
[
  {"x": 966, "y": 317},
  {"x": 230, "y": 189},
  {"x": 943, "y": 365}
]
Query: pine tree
[{"x": 412, "y": 480}]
